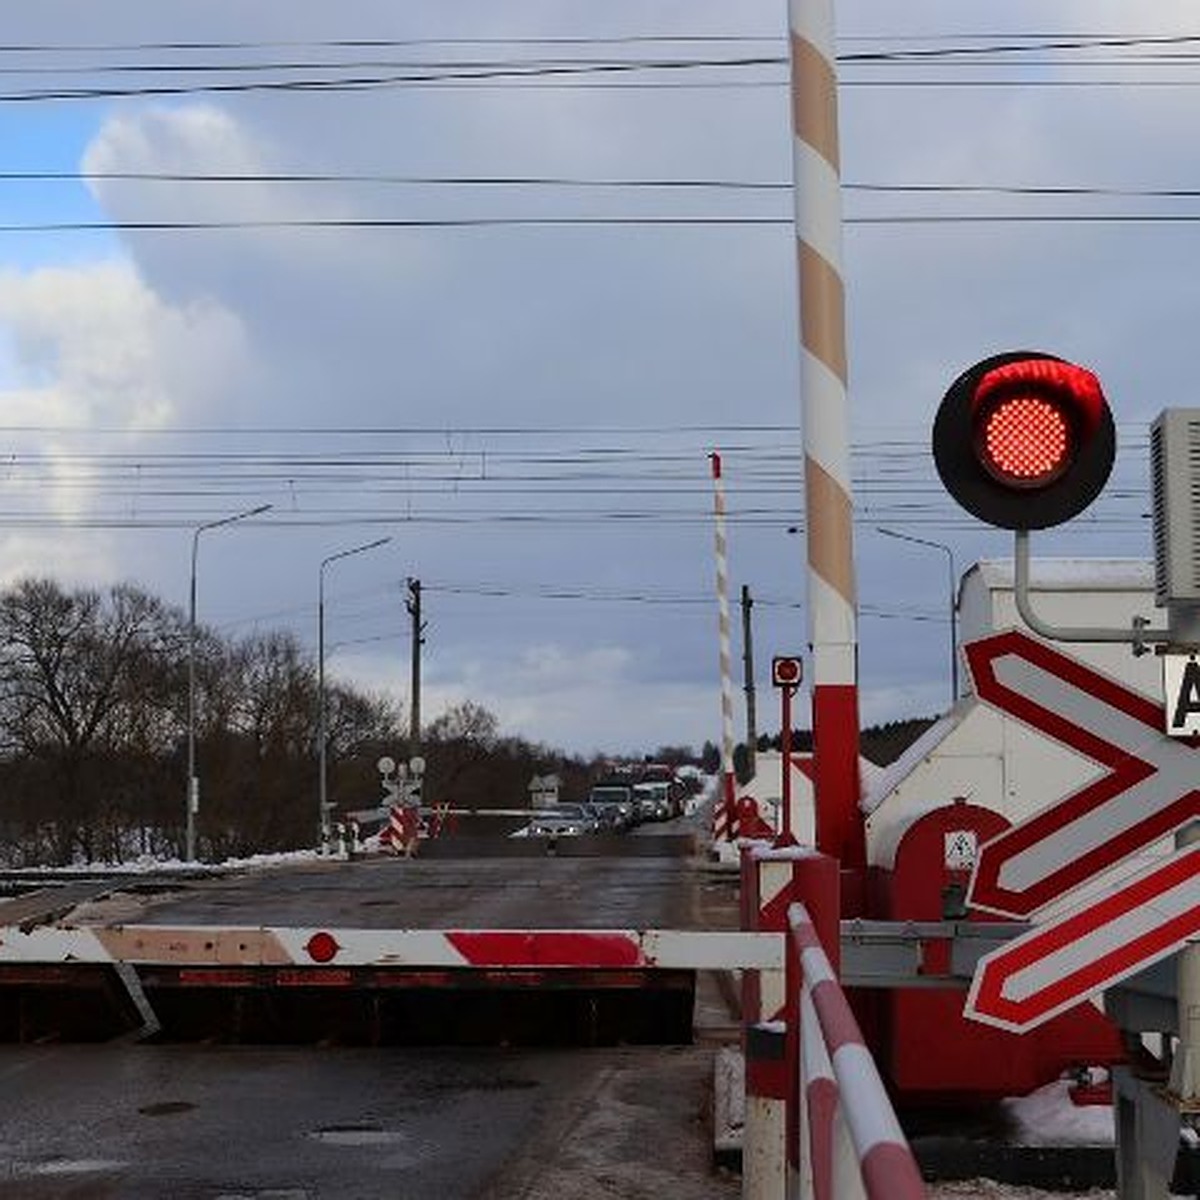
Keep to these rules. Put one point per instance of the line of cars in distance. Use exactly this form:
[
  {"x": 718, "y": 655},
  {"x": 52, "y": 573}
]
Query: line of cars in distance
[{"x": 615, "y": 804}]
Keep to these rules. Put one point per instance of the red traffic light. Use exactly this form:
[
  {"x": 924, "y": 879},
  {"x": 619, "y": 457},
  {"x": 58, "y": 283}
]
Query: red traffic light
[
  {"x": 786, "y": 671},
  {"x": 1024, "y": 440}
]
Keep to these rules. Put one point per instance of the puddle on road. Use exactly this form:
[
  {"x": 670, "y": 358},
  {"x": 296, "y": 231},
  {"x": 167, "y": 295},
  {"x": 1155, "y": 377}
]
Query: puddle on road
[
  {"x": 68, "y": 1166},
  {"x": 358, "y": 1135},
  {"x": 166, "y": 1108}
]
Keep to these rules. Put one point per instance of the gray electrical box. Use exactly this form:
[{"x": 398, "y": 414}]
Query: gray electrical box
[{"x": 1175, "y": 481}]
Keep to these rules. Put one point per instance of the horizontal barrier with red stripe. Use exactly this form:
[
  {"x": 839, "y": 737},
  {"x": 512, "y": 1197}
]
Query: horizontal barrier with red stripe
[{"x": 504, "y": 949}]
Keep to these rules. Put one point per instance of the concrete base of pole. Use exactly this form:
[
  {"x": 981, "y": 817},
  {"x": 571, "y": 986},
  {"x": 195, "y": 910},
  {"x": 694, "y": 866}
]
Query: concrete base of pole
[{"x": 764, "y": 1163}]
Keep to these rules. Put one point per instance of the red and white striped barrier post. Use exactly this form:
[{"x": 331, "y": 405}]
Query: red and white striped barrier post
[
  {"x": 768, "y": 889},
  {"x": 874, "y": 1159},
  {"x": 828, "y": 507},
  {"x": 725, "y": 807}
]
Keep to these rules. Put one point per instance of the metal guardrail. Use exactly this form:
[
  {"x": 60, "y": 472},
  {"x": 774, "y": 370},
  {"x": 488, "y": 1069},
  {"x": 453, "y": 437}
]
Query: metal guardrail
[{"x": 834, "y": 1059}]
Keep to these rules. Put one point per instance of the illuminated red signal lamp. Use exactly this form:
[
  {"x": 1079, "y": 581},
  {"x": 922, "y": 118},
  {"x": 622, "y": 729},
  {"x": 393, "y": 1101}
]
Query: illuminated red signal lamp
[{"x": 1024, "y": 440}]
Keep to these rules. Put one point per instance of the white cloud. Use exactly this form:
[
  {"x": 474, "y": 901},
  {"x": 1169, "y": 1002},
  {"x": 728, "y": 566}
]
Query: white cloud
[
  {"x": 93, "y": 348},
  {"x": 576, "y": 328},
  {"x": 587, "y": 700}
]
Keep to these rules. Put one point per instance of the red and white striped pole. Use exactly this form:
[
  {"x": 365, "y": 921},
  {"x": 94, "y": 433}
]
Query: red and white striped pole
[
  {"x": 725, "y": 808},
  {"x": 832, "y": 602}
]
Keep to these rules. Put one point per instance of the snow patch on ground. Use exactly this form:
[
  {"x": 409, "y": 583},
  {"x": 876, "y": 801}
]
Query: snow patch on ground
[{"x": 1048, "y": 1117}]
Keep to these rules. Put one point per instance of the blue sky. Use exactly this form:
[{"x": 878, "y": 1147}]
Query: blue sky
[{"x": 50, "y": 137}]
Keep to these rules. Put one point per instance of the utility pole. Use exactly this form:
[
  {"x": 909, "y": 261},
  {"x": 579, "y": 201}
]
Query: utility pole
[
  {"x": 748, "y": 666},
  {"x": 413, "y": 604}
]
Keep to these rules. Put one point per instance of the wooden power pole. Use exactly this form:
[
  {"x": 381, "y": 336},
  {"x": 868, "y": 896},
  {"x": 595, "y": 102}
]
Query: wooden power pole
[
  {"x": 748, "y": 667},
  {"x": 413, "y": 604}
]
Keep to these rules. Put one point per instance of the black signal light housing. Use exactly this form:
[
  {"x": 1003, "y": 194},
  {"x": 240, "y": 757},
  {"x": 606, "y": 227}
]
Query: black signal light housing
[{"x": 1024, "y": 440}]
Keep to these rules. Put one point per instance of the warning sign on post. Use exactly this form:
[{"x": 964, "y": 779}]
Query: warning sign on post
[{"x": 1181, "y": 692}]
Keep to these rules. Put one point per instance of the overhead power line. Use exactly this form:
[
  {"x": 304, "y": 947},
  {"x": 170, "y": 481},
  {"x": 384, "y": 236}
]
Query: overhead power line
[
  {"x": 371, "y": 74},
  {"x": 366, "y": 224},
  {"x": 611, "y": 183},
  {"x": 936, "y": 47}
]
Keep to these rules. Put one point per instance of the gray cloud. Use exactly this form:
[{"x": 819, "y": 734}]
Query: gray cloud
[{"x": 576, "y": 329}]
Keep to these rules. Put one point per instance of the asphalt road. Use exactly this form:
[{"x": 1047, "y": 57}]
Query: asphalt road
[
  {"x": 227, "y": 1122},
  {"x": 186, "y": 1122},
  {"x": 610, "y": 892}
]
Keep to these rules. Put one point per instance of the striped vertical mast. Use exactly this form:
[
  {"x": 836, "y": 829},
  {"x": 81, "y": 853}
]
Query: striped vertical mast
[
  {"x": 725, "y": 811},
  {"x": 832, "y": 602}
]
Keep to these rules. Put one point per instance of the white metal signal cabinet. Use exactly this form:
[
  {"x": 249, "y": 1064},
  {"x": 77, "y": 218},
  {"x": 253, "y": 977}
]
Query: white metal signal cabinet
[{"x": 975, "y": 754}]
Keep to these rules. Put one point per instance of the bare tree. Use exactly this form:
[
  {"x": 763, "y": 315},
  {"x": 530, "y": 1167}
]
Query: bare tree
[
  {"x": 81, "y": 674},
  {"x": 466, "y": 722}
]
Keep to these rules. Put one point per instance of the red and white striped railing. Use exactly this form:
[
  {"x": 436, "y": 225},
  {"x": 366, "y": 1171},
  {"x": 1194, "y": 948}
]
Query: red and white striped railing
[{"x": 855, "y": 1145}]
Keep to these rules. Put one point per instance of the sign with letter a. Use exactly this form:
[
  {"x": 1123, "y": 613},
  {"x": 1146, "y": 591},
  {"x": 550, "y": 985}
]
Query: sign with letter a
[{"x": 1181, "y": 691}]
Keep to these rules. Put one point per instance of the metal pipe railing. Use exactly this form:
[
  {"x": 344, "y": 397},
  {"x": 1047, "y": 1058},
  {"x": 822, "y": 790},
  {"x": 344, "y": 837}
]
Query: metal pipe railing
[{"x": 875, "y": 1153}]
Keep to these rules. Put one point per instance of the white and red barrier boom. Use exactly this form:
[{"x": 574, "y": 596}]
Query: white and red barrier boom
[{"x": 482, "y": 949}]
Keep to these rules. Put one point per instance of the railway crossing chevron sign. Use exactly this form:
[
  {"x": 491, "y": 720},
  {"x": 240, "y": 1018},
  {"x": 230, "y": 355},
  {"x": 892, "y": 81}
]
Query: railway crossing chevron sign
[
  {"x": 1147, "y": 787},
  {"x": 1144, "y": 790},
  {"x": 1055, "y": 966}
]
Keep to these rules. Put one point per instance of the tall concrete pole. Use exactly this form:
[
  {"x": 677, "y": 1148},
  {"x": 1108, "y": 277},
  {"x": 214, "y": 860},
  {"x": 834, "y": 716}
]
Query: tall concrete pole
[
  {"x": 192, "y": 797},
  {"x": 748, "y": 671},
  {"x": 832, "y": 599}
]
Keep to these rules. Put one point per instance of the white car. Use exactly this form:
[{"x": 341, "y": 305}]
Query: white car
[{"x": 563, "y": 820}]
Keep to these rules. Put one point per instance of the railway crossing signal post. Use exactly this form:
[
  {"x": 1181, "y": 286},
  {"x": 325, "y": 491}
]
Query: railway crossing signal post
[
  {"x": 1026, "y": 441},
  {"x": 786, "y": 673}
]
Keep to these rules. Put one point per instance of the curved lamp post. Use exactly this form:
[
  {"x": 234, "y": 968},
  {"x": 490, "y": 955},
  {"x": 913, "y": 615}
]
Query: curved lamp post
[
  {"x": 919, "y": 541},
  {"x": 323, "y": 809},
  {"x": 192, "y": 799}
]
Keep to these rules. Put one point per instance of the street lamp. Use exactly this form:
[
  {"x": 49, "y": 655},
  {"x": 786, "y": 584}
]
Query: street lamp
[
  {"x": 908, "y": 537},
  {"x": 323, "y": 810},
  {"x": 192, "y": 798}
]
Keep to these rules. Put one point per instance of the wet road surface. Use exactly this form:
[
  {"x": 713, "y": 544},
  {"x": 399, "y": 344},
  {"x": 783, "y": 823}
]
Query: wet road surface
[{"x": 294, "y": 1123}]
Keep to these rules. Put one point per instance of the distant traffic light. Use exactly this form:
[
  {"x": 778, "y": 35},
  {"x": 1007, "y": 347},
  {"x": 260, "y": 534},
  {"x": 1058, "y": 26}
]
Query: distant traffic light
[{"x": 1024, "y": 440}]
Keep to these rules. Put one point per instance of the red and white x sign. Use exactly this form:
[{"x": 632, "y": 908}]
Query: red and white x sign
[
  {"x": 1055, "y": 966},
  {"x": 1147, "y": 787}
]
